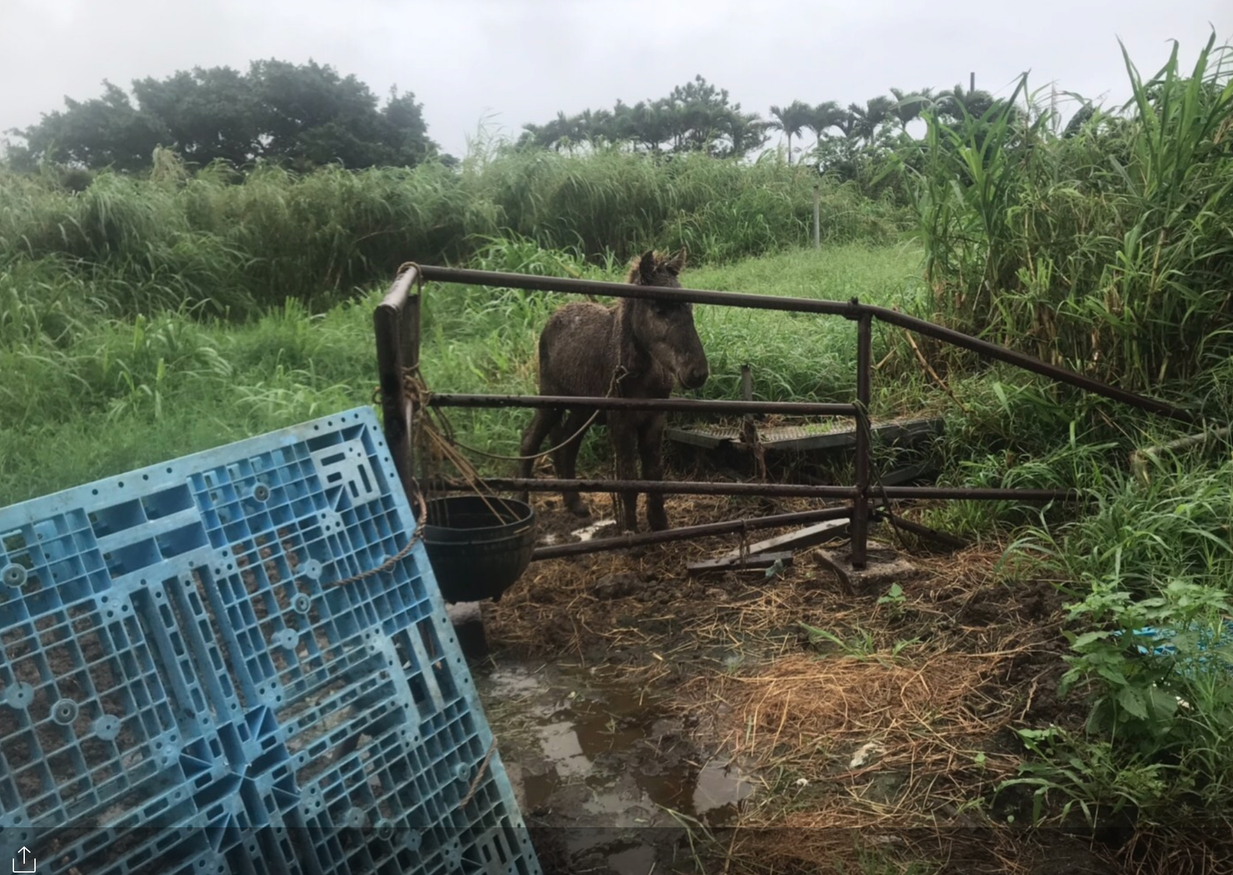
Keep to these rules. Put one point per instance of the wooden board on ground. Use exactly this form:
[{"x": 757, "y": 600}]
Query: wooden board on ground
[
  {"x": 751, "y": 563},
  {"x": 760, "y": 555},
  {"x": 826, "y": 434},
  {"x": 819, "y": 533}
]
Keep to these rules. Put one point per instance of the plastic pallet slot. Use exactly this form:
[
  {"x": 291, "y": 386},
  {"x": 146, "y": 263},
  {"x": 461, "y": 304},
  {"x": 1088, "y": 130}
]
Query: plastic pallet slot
[{"x": 183, "y": 687}]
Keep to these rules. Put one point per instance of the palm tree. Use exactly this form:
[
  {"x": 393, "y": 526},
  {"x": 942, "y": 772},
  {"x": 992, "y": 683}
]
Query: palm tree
[
  {"x": 745, "y": 131},
  {"x": 845, "y": 122},
  {"x": 955, "y": 102},
  {"x": 791, "y": 119},
  {"x": 909, "y": 105},
  {"x": 867, "y": 119},
  {"x": 826, "y": 115}
]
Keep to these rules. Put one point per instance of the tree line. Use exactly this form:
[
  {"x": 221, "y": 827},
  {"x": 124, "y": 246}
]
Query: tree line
[
  {"x": 698, "y": 116},
  {"x": 302, "y": 115},
  {"x": 308, "y": 115}
]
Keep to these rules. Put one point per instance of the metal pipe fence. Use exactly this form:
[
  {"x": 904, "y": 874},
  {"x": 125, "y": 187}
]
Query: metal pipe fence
[{"x": 396, "y": 322}]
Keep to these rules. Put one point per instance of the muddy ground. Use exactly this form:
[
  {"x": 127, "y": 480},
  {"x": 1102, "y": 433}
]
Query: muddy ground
[{"x": 657, "y": 722}]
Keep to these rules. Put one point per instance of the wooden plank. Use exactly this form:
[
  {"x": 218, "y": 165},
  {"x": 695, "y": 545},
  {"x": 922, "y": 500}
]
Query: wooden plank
[
  {"x": 761, "y": 561},
  {"x": 799, "y": 439},
  {"x": 948, "y": 541},
  {"x": 810, "y": 442},
  {"x": 806, "y": 537},
  {"x": 845, "y": 582}
]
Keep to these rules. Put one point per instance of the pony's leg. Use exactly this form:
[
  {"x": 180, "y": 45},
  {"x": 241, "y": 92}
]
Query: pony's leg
[
  {"x": 542, "y": 423},
  {"x": 650, "y": 447},
  {"x": 565, "y": 459},
  {"x": 625, "y": 446}
]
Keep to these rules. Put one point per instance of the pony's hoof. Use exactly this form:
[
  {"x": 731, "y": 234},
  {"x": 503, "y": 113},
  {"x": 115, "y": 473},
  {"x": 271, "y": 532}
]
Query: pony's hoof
[{"x": 580, "y": 510}]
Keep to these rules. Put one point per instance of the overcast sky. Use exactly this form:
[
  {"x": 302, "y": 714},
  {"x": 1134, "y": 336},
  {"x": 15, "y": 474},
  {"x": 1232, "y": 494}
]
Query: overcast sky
[{"x": 503, "y": 63}]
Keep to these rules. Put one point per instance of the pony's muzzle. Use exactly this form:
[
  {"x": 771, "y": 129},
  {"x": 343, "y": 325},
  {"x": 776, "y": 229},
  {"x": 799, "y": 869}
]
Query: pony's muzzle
[{"x": 695, "y": 377}]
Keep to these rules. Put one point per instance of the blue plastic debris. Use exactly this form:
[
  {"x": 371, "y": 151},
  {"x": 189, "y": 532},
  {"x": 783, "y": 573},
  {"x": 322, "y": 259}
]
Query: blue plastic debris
[
  {"x": 191, "y": 680},
  {"x": 1202, "y": 639}
]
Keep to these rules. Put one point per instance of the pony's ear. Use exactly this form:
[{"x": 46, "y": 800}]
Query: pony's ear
[
  {"x": 677, "y": 264},
  {"x": 646, "y": 266}
]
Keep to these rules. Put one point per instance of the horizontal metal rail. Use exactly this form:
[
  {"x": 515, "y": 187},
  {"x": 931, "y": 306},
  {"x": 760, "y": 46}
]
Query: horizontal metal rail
[
  {"x": 851, "y": 310},
  {"x": 566, "y": 286},
  {"x": 666, "y": 487},
  {"x": 679, "y": 405},
  {"x": 687, "y": 532},
  {"x": 964, "y": 493},
  {"x": 779, "y": 490}
]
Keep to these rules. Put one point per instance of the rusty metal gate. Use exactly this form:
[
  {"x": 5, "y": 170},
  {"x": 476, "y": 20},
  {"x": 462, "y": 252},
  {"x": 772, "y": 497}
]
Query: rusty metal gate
[{"x": 397, "y": 326}]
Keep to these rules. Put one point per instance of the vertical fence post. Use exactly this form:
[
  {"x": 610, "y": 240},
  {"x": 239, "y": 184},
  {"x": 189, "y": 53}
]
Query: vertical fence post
[
  {"x": 396, "y": 324},
  {"x": 860, "y": 509},
  {"x": 817, "y": 218},
  {"x": 410, "y": 341}
]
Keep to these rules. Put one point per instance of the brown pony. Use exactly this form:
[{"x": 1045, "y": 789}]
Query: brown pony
[{"x": 634, "y": 349}]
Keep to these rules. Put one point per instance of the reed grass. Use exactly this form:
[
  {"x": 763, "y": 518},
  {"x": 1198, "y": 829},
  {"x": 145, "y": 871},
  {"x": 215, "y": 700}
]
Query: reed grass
[{"x": 1105, "y": 249}]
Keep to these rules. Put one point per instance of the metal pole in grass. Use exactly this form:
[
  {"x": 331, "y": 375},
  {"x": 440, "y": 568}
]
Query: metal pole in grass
[{"x": 817, "y": 220}]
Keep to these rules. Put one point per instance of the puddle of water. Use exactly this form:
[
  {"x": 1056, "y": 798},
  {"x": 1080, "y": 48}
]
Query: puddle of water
[
  {"x": 720, "y": 785},
  {"x": 561, "y": 746},
  {"x": 603, "y": 764},
  {"x": 540, "y": 787},
  {"x": 599, "y": 750},
  {"x": 508, "y": 683}
]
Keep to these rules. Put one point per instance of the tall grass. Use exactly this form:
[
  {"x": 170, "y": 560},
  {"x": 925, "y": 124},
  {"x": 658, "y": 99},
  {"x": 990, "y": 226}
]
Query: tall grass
[
  {"x": 1107, "y": 250},
  {"x": 84, "y": 398},
  {"x": 228, "y": 246},
  {"x": 1148, "y": 568}
]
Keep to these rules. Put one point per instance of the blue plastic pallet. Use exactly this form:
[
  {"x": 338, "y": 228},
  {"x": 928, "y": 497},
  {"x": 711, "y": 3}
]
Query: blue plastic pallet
[
  {"x": 187, "y": 687},
  {"x": 1204, "y": 640}
]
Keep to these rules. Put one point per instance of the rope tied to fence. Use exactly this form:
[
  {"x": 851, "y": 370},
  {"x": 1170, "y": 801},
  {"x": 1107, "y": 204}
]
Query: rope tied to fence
[
  {"x": 418, "y": 394},
  {"x": 434, "y": 433}
]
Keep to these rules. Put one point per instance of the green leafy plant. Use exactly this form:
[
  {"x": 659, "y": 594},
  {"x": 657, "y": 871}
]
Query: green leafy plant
[
  {"x": 1139, "y": 692},
  {"x": 894, "y": 597}
]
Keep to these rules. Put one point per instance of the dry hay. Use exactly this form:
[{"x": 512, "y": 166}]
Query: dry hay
[
  {"x": 930, "y": 720},
  {"x": 556, "y": 610},
  {"x": 1190, "y": 849},
  {"x": 943, "y": 850}
]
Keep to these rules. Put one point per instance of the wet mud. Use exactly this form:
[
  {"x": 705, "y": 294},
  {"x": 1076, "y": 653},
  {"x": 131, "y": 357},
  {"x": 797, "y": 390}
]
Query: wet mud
[{"x": 607, "y": 774}]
